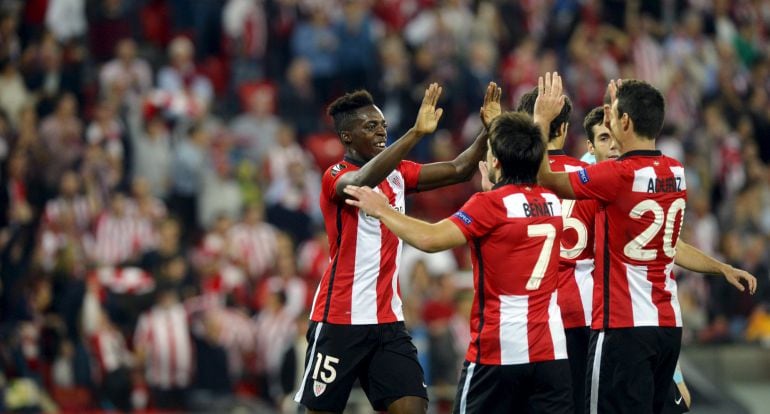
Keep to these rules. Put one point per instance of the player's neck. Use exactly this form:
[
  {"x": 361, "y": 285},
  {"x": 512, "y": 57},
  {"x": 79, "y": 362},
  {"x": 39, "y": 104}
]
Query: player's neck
[
  {"x": 636, "y": 143},
  {"x": 557, "y": 143}
]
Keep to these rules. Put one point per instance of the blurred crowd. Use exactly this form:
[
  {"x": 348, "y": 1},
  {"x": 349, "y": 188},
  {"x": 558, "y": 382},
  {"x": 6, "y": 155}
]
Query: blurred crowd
[{"x": 160, "y": 235}]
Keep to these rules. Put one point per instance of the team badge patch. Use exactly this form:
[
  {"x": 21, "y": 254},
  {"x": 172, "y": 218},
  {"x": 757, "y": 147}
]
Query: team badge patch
[
  {"x": 583, "y": 174},
  {"x": 337, "y": 168},
  {"x": 318, "y": 388},
  {"x": 396, "y": 182},
  {"x": 464, "y": 217}
]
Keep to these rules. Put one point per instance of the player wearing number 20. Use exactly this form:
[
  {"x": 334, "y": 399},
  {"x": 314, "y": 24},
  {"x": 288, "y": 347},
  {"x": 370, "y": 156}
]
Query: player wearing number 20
[
  {"x": 636, "y": 318},
  {"x": 517, "y": 357}
]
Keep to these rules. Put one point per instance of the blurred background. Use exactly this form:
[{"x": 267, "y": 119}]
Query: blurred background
[{"x": 160, "y": 236}]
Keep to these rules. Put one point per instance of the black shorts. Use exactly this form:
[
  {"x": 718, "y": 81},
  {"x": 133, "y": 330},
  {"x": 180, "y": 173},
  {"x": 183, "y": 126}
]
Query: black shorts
[
  {"x": 675, "y": 403},
  {"x": 631, "y": 369},
  {"x": 538, "y": 387},
  {"x": 577, "y": 350},
  {"x": 382, "y": 357}
]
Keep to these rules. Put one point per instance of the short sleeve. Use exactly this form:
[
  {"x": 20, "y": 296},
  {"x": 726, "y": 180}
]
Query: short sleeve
[
  {"x": 474, "y": 218},
  {"x": 411, "y": 172},
  {"x": 598, "y": 182},
  {"x": 330, "y": 179}
]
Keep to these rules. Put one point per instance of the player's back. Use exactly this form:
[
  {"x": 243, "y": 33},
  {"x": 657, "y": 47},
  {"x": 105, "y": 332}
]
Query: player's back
[
  {"x": 639, "y": 229},
  {"x": 514, "y": 233},
  {"x": 576, "y": 258}
]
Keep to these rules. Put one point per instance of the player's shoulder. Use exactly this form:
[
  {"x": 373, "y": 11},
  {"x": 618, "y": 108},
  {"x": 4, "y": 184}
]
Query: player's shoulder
[
  {"x": 336, "y": 169},
  {"x": 406, "y": 165}
]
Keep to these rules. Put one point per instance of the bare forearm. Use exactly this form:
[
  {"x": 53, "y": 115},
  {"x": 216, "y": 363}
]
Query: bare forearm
[
  {"x": 374, "y": 171},
  {"x": 416, "y": 232},
  {"x": 467, "y": 162},
  {"x": 693, "y": 259}
]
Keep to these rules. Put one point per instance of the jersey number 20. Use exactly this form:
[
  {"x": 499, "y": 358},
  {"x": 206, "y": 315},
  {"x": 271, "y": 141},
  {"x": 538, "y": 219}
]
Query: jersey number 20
[{"x": 635, "y": 249}]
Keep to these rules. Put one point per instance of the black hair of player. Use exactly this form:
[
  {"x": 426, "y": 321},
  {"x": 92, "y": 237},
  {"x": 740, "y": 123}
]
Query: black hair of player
[
  {"x": 595, "y": 117},
  {"x": 344, "y": 108},
  {"x": 644, "y": 105},
  {"x": 516, "y": 142},
  {"x": 527, "y": 105}
]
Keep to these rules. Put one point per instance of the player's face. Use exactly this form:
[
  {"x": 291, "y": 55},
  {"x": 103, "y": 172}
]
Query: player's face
[
  {"x": 604, "y": 147},
  {"x": 368, "y": 133}
]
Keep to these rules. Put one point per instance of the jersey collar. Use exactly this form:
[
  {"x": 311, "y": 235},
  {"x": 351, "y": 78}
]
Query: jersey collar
[
  {"x": 355, "y": 162},
  {"x": 556, "y": 152},
  {"x": 640, "y": 153}
]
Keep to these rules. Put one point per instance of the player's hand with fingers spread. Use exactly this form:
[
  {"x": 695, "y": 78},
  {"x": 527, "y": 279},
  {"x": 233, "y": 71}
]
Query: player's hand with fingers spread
[
  {"x": 735, "y": 276},
  {"x": 550, "y": 98},
  {"x": 612, "y": 91},
  {"x": 491, "y": 107},
  {"x": 428, "y": 115},
  {"x": 367, "y": 200}
]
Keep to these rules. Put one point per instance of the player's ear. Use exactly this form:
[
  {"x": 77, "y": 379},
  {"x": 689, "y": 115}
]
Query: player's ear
[
  {"x": 345, "y": 137},
  {"x": 590, "y": 146},
  {"x": 626, "y": 123},
  {"x": 495, "y": 163},
  {"x": 563, "y": 129}
]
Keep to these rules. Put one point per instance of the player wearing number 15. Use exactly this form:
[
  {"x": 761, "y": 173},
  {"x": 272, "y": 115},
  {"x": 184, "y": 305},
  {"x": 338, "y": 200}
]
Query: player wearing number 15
[
  {"x": 517, "y": 357},
  {"x": 636, "y": 318}
]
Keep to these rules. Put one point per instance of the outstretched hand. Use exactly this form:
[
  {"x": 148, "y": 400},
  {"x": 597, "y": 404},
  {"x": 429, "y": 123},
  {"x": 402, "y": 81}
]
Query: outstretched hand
[
  {"x": 428, "y": 115},
  {"x": 550, "y": 98},
  {"x": 735, "y": 276},
  {"x": 367, "y": 200},
  {"x": 612, "y": 91},
  {"x": 491, "y": 107}
]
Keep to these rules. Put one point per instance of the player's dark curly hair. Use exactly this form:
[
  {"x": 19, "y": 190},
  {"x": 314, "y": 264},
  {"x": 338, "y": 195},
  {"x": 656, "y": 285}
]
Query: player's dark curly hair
[
  {"x": 516, "y": 143},
  {"x": 595, "y": 117},
  {"x": 645, "y": 106},
  {"x": 527, "y": 105},
  {"x": 343, "y": 108}
]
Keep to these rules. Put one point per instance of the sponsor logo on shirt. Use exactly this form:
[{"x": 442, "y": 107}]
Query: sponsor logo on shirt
[
  {"x": 583, "y": 174},
  {"x": 464, "y": 217}
]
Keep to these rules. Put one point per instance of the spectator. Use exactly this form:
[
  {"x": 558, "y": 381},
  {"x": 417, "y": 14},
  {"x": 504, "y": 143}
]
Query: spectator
[
  {"x": 62, "y": 135},
  {"x": 151, "y": 148},
  {"x": 252, "y": 242},
  {"x": 298, "y": 100},
  {"x": 126, "y": 72},
  {"x": 256, "y": 129},
  {"x": 245, "y": 26},
  {"x": 163, "y": 345},
  {"x": 13, "y": 92},
  {"x": 181, "y": 77},
  {"x": 316, "y": 41},
  {"x": 188, "y": 165},
  {"x": 120, "y": 236}
]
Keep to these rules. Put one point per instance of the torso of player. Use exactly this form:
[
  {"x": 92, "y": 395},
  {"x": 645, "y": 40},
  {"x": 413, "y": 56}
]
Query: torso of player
[
  {"x": 636, "y": 238},
  {"x": 513, "y": 232},
  {"x": 576, "y": 257},
  {"x": 360, "y": 285}
]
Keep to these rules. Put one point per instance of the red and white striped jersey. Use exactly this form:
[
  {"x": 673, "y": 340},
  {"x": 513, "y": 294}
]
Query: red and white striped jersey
[
  {"x": 125, "y": 280},
  {"x": 360, "y": 285},
  {"x": 254, "y": 246},
  {"x": 164, "y": 335},
  {"x": 642, "y": 197},
  {"x": 78, "y": 209},
  {"x": 514, "y": 231},
  {"x": 109, "y": 351},
  {"x": 576, "y": 259},
  {"x": 119, "y": 238}
]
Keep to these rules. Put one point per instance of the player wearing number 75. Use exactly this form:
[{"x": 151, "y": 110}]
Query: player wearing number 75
[
  {"x": 517, "y": 358},
  {"x": 636, "y": 319}
]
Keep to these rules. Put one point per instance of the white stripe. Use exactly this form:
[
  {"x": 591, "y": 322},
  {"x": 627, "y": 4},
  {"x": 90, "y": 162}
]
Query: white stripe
[
  {"x": 585, "y": 282},
  {"x": 554, "y": 202},
  {"x": 595, "y": 374},
  {"x": 514, "y": 340},
  {"x": 640, "y": 288},
  {"x": 363, "y": 306},
  {"x": 572, "y": 168},
  {"x": 671, "y": 287},
  {"x": 556, "y": 326},
  {"x": 395, "y": 300},
  {"x": 642, "y": 179},
  {"x": 298, "y": 395},
  {"x": 161, "y": 344},
  {"x": 466, "y": 387},
  {"x": 679, "y": 173},
  {"x": 514, "y": 205}
]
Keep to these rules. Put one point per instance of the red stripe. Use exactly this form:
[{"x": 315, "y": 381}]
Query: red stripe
[{"x": 538, "y": 330}]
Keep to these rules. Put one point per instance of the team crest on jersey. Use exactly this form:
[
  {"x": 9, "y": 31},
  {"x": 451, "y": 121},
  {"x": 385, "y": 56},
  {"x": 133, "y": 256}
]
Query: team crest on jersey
[
  {"x": 318, "y": 388},
  {"x": 337, "y": 168}
]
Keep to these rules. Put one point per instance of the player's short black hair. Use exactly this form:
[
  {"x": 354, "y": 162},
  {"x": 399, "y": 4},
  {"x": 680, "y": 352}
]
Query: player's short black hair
[
  {"x": 516, "y": 142},
  {"x": 645, "y": 106},
  {"x": 343, "y": 108},
  {"x": 527, "y": 105},
  {"x": 593, "y": 118}
]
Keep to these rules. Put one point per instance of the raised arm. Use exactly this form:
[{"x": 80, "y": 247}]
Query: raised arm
[
  {"x": 376, "y": 169},
  {"x": 422, "y": 235},
  {"x": 463, "y": 167},
  {"x": 692, "y": 258},
  {"x": 550, "y": 100}
]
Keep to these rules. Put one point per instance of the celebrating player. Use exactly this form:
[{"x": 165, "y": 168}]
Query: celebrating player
[
  {"x": 517, "y": 358},
  {"x": 357, "y": 329},
  {"x": 642, "y": 195}
]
